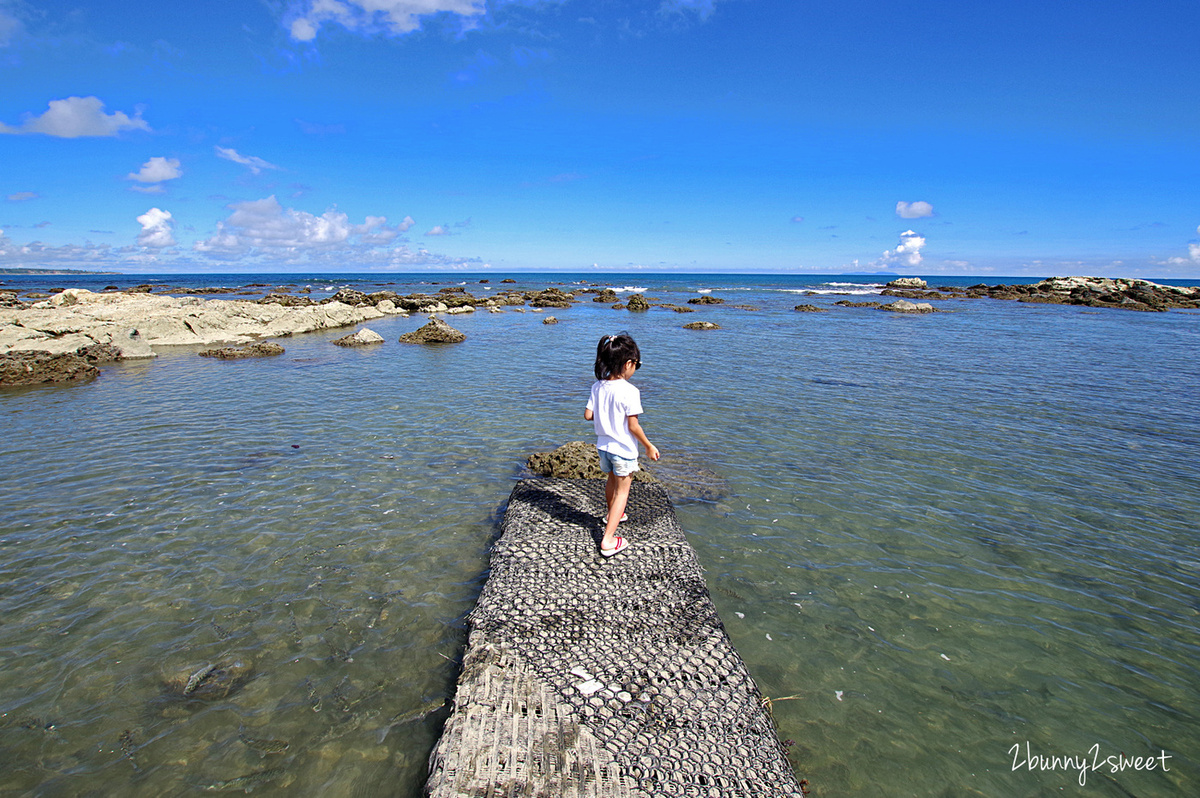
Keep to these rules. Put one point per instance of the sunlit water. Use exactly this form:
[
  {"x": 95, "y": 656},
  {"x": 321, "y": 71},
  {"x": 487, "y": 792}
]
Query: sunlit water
[{"x": 943, "y": 536}]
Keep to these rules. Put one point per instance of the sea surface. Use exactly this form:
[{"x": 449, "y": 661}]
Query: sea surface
[{"x": 958, "y": 551}]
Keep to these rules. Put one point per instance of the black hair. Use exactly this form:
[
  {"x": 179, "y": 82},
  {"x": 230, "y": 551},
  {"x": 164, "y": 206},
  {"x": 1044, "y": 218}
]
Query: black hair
[{"x": 613, "y": 352}]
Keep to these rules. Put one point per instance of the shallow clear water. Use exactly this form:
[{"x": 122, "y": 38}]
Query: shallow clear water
[{"x": 943, "y": 536}]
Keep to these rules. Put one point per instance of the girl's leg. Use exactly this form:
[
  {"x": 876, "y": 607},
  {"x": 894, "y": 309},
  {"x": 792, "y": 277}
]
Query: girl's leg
[
  {"x": 616, "y": 507},
  {"x": 610, "y": 490}
]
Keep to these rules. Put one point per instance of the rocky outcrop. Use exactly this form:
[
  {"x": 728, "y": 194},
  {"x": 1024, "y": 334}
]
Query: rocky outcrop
[
  {"x": 907, "y": 282},
  {"x": 435, "y": 332},
  {"x": 348, "y": 296},
  {"x": 846, "y": 303},
  {"x": 551, "y": 298},
  {"x": 287, "y": 300},
  {"x": 707, "y": 299},
  {"x": 136, "y": 323},
  {"x": 637, "y": 302},
  {"x": 36, "y": 368},
  {"x": 363, "y": 337},
  {"x": 259, "y": 349},
  {"x": 810, "y": 309},
  {"x": 904, "y": 306},
  {"x": 550, "y": 320},
  {"x": 701, "y": 325},
  {"x": 1100, "y": 292},
  {"x": 607, "y": 296}
]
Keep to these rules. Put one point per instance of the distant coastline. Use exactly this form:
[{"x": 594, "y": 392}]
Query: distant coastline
[{"x": 65, "y": 272}]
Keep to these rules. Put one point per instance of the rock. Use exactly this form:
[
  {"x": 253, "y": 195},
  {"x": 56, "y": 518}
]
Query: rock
[
  {"x": 259, "y": 349},
  {"x": 136, "y": 322},
  {"x": 35, "y": 368},
  {"x": 907, "y": 282},
  {"x": 435, "y": 332},
  {"x": 846, "y": 303},
  {"x": 363, "y": 337},
  {"x": 207, "y": 682},
  {"x": 607, "y": 296},
  {"x": 549, "y": 320},
  {"x": 701, "y": 325},
  {"x": 550, "y": 298},
  {"x": 286, "y": 300},
  {"x": 1100, "y": 292},
  {"x": 904, "y": 306},
  {"x": 8, "y": 299},
  {"x": 348, "y": 296},
  {"x": 508, "y": 280},
  {"x": 637, "y": 303},
  {"x": 385, "y": 306},
  {"x": 574, "y": 460},
  {"x": 706, "y": 299},
  {"x": 810, "y": 309},
  {"x": 461, "y": 309}
]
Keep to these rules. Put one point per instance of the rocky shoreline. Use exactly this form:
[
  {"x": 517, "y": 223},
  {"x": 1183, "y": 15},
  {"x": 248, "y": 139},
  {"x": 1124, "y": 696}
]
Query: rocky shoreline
[{"x": 65, "y": 334}]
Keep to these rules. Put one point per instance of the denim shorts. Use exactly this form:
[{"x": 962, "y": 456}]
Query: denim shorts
[{"x": 611, "y": 463}]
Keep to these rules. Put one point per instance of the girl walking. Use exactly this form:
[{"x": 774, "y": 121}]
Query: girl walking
[{"x": 614, "y": 407}]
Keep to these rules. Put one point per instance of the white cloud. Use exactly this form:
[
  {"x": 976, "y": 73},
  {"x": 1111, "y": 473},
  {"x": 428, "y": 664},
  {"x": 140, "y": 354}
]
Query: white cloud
[
  {"x": 914, "y": 210},
  {"x": 75, "y": 117},
  {"x": 156, "y": 170},
  {"x": 10, "y": 26},
  {"x": 1194, "y": 252},
  {"x": 265, "y": 225},
  {"x": 393, "y": 17},
  {"x": 906, "y": 253},
  {"x": 22, "y": 196},
  {"x": 252, "y": 162},
  {"x": 407, "y": 223},
  {"x": 156, "y": 229},
  {"x": 439, "y": 230}
]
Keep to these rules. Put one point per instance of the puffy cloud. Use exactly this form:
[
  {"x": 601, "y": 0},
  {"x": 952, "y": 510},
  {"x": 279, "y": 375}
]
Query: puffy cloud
[
  {"x": 393, "y": 17},
  {"x": 913, "y": 210},
  {"x": 439, "y": 230},
  {"x": 156, "y": 170},
  {"x": 906, "y": 253},
  {"x": 265, "y": 225},
  {"x": 156, "y": 229},
  {"x": 253, "y": 163},
  {"x": 75, "y": 117}
]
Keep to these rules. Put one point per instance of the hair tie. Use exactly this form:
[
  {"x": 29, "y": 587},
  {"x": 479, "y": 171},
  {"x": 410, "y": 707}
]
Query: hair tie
[{"x": 612, "y": 338}]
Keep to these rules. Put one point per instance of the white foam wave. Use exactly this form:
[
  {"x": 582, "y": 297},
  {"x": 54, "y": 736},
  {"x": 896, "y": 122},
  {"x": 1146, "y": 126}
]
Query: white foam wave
[{"x": 637, "y": 289}]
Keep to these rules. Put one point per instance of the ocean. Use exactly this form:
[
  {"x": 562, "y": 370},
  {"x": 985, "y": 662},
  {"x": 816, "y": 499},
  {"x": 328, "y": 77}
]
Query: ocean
[{"x": 958, "y": 551}]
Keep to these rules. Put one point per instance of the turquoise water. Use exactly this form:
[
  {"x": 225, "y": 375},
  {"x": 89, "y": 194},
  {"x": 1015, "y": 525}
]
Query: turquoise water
[{"x": 942, "y": 537}]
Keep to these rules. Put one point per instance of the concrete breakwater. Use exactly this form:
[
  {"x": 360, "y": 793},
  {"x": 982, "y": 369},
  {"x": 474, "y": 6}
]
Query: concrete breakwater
[{"x": 589, "y": 676}]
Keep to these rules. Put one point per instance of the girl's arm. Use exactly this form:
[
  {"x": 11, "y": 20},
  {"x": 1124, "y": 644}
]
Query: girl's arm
[
  {"x": 587, "y": 414},
  {"x": 635, "y": 429}
]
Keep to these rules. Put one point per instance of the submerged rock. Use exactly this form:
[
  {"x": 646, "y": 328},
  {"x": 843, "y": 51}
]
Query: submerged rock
[
  {"x": 260, "y": 349},
  {"x": 207, "y": 682},
  {"x": 363, "y": 337},
  {"x": 435, "y": 332},
  {"x": 810, "y": 309}
]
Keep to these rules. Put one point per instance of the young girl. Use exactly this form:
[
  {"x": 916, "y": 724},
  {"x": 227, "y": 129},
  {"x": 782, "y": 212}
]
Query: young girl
[{"x": 614, "y": 407}]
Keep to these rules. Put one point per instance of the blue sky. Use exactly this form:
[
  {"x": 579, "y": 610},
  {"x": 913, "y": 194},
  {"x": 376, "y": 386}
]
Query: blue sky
[{"x": 1020, "y": 138}]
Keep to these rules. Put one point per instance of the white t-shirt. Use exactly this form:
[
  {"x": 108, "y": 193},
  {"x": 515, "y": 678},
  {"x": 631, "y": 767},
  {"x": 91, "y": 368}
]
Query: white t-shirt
[{"x": 611, "y": 403}]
